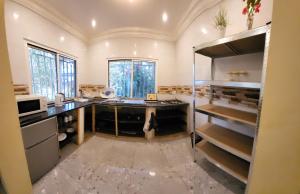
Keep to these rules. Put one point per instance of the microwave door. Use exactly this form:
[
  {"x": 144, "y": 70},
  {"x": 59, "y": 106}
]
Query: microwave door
[{"x": 28, "y": 106}]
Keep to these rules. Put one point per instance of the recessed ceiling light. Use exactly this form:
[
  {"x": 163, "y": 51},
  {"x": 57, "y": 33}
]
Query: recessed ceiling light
[
  {"x": 204, "y": 30},
  {"x": 134, "y": 53},
  {"x": 151, "y": 173},
  {"x": 107, "y": 44},
  {"x": 94, "y": 23},
  {"x": 130, "y": 1},
  {"x": 16, "y": 15},
  {"x": 164, "y": 17},
  {"x": 62, "y": 39}
]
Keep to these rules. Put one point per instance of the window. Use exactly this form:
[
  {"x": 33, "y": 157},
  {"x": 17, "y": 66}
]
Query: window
[
  {"x": 132, "y": 78},
  {"x": 43, "y": 72},
  {"x": 50, "y": 77},
  {"x": 120, "y": 77},
  {"x": 67, "y": 76}
]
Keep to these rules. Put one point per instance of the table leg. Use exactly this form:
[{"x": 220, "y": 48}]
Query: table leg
[{"x": 80, "y": 126}]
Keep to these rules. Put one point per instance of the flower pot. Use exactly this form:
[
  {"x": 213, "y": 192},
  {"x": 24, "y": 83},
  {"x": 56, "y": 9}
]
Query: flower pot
[
  {"x": 250, "y": 20},
  {"x": 221, "y": 31}
]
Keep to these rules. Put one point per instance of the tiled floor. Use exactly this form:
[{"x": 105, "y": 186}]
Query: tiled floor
[{"x": 111, "y": 166}]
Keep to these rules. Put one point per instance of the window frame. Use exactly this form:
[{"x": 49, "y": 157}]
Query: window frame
[
  {"x": 132, "y": 60},
  {"x": 75, "y": 73},
  {"x": 29, "y": 44}
]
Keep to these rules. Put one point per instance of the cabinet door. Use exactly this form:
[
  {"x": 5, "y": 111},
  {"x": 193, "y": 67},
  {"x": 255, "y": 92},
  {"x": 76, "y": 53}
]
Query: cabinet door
[
  {"x": 42, "y": 157},
  {"x": 38, "y": 132}
]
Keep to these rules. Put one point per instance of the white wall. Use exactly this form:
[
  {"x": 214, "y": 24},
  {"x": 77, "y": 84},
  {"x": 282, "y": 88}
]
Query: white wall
[
  {"x": 92, "y": 58},
  {"x": 32, "y": 26},
  {"x": 194, "y": 36},
  {"x": 100, "y": 51}
]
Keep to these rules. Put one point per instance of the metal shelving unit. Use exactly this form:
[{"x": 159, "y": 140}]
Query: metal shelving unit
[{"x": 228, "y": 149}]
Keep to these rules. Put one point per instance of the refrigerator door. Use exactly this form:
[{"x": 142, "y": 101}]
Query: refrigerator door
[
  {"x": 42, "y": 157},
  {"x": 38, "y": 132}
]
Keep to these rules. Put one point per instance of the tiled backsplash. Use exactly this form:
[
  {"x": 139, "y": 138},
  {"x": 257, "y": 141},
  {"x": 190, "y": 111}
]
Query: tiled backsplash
[
  {"x": 184, "y": 90},
  {"x": 249, "y": 97},
  {"x": 90, "y": 90},
  {"x": 21, "y": 89}
]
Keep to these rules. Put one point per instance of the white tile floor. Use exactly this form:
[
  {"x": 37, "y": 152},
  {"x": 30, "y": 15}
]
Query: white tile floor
[{"x": 109, "y": 166}]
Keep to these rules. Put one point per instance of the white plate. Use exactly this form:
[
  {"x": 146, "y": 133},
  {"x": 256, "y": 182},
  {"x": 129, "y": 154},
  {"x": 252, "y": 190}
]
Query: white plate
[
  {"x": 62, "y": 136},
  {"x": 70, "y": 130}
]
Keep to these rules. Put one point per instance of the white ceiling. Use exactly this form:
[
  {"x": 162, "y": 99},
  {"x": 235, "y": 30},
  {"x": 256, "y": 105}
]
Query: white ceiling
[{"x": 112, "y": 14}]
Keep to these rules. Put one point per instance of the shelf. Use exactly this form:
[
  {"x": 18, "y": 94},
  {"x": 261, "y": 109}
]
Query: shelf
[
  {"x": 68, "y": 140},
  {"x": 233, "y": 142},
  {"x": 131, "y": 121},
  {"x": 170, "y": 117},
  {"x": 133, "y": 133},
  {"x": 229, "y": 163},
  {"x": 247, "y": 42},
  {"x": 106, "y": 130},
  {"x": 105, "y": 120},
  {"x": 228, "y": 114},
  {"x": 232, "y": 84}
]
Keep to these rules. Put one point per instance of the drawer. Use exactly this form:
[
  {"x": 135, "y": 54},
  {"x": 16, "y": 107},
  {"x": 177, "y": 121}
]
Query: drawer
[
  {"x": 37, "y": 132},
  {"x": 42, "y": 157}
]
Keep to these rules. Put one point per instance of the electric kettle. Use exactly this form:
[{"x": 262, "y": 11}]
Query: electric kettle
[{"x": 59, "y": 99}]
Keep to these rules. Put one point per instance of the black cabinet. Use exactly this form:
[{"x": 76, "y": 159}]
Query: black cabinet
[
  {"x": 131, "y": 121},
  {"x": 105, "y": 119},
  {"x": 171, "y": 120}
]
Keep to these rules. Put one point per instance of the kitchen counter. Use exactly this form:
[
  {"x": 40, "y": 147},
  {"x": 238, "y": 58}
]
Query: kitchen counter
[
  {"x": 70, "y": 106},
  {"x": 52, "y": 112},
  {"x": 141, "y": 103}
]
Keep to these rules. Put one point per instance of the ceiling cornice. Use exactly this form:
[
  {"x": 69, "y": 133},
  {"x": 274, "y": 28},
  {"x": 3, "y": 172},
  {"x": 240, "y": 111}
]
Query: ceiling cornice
[
  {"x": 133, "y": 32},
  {"x": 196, "y": 8},
  {"x": 52, "y": 15}
]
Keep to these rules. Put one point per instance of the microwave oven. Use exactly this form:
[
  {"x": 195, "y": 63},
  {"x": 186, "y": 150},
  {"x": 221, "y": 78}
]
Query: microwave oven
[{"x": 31, "y": 104}]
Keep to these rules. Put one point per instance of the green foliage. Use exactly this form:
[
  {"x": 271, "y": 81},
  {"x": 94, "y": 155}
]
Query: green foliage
[
  {"x": 43, "y": 73},
  {"x": 142, "y": 76},
  {"x": 143, "y": 79},
  {"x": 252, "y": 3},
  {"x": 252, "y": 6},
  {"x": 221, "y": 20}
]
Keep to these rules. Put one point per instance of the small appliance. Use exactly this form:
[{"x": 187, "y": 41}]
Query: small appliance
[
  {"x": 31, "y": 104},
  {"x": 107, "y": 93},
  {"x": 59, "y": 99},
  {"x": 151, "y": 98}
]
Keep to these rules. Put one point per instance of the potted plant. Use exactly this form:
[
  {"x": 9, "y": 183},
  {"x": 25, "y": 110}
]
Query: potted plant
[
  {"x": 221, "y": 22},
  {"x": 252, "y": 7}
]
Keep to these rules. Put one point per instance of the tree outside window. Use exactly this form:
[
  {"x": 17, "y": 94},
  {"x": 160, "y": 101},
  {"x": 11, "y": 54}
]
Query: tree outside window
[{"x": 132, "y": 78}]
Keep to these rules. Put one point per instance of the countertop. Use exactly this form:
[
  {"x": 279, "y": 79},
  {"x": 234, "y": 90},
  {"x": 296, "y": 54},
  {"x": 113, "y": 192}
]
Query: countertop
[
  {"x": 141, "y": 103},
  {"x": 69, "y": 106},
  {"x": 52, "y": 112}
]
